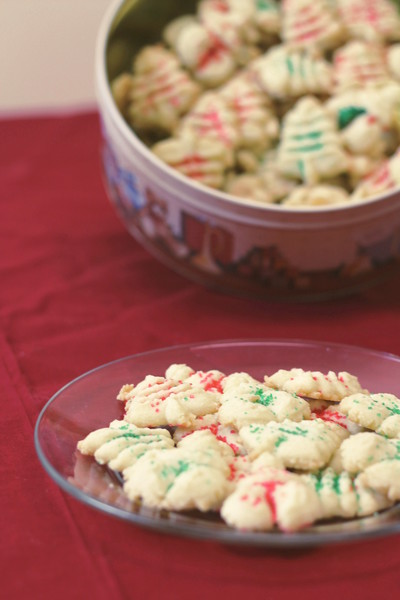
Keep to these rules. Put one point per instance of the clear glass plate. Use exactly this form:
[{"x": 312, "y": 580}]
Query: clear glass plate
[{"x": 89, "y": 402}]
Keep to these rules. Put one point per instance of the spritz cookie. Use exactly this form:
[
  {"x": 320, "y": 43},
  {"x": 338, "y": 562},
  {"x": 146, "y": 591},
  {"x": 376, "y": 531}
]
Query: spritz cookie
[
  {"x": 161, "y": 91},
  {"x": 310, "y": 148},
  {"x": 249, "y": 186},
  {"x": 205, "y": 441},
  {"x": 370, "y": 20},
  {"x": 206, "y": 56},
  {"x": 210, "y": 381},
  {"x": 203, "y": 160},
  {"x": 211, "y": 423},
  {"x": 371, "y": 411},
  {"x": 307, "y": 445},
  {"x": 393, "y": 60},
  {"x": 304, "y": 196},
  {"x": 308, "y": 23},
  {"x": 361, "y": 450},
  {"x": 314, "y": 384},
  {"x": 272, "y": 497},
  {"x": 232, "y": 22},
  {"x": 211, "y": 117},
  {"x": 384, "y": 178},
  {"x": 359, "y": 64},
  {"x": 328, "y": 411},
  {"x": 157, "y": 401},
  {"x": 285, "y": 72},
  {"x": 379, "y": 101},
  {"x": 256, "y": 121},
  {"x": 122, "y": 443},
  {"x": 254, "y": 402},
  {"x": 179, "y": 479},
  {"x": 343, "y": 495},
  {"x": 384, "y": 477}
]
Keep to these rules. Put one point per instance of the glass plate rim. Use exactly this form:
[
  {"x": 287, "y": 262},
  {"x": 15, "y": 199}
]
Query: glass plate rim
[{"x": 268, "y": 539}]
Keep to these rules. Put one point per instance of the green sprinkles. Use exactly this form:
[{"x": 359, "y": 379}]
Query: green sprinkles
[
  {"x": 336, "y": 484},
  {"x": 289, "y": 64},
  {"x": 266, "y": 5},
  {"x": 312, "y": 135},
  {"x": 175, "y": 471},
  {"x": 126, "y": 436},
  {"x": 295, "y": 431},
  {"x": 280, "y": 440},
  {"x": 310, "y": 148},
  {"x": 263, "y": 397}
]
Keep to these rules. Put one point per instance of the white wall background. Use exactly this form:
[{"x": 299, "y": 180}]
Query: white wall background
[{"x": 47, "y": 54}]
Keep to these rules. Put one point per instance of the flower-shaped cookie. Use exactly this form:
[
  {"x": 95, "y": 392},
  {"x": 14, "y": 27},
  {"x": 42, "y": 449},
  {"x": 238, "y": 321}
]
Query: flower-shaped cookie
[
  {"x": 365, "y": 136},
  {"x": 378, "y": 101},
  {"x": 209, "y": 58}
]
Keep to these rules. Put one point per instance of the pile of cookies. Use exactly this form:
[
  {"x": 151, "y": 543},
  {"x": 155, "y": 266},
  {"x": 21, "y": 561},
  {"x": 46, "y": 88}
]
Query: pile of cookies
[
  {"x": 294, "y": 102},
  {"x": 297, "y": 448}
]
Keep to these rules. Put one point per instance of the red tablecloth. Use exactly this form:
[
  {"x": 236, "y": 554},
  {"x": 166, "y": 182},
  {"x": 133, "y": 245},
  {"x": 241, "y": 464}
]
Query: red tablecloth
[{"x": 77, "y": 291}]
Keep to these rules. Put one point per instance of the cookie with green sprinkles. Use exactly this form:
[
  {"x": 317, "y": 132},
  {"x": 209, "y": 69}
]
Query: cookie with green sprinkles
[
  {"x": 122, "y": 443},
  {"x": 307, "y": 445},
  {"x": 362, "y": 450},
  {"x": 372, "y": 411},
  {"x": 179, "y": 479},
  {"x": 249, "y": 401},
  {"x": 288, "y": 72},
  {"x": 297, "y": 448},
  {"x": 272, "y": 497},
  {"x": 343, "y": 495},
  {"x": 310, "y": 148}
]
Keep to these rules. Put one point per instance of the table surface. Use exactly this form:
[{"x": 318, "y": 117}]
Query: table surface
[{"x": 76, "y": 292}]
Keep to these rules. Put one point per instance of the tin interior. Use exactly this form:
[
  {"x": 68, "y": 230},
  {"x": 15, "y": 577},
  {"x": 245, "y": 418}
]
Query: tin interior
[{"x": 138, "y": 23}]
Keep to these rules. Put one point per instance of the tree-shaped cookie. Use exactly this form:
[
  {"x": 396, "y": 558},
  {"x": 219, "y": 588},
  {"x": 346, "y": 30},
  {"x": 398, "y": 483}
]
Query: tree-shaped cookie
[{"x": 310, "y": 147}]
